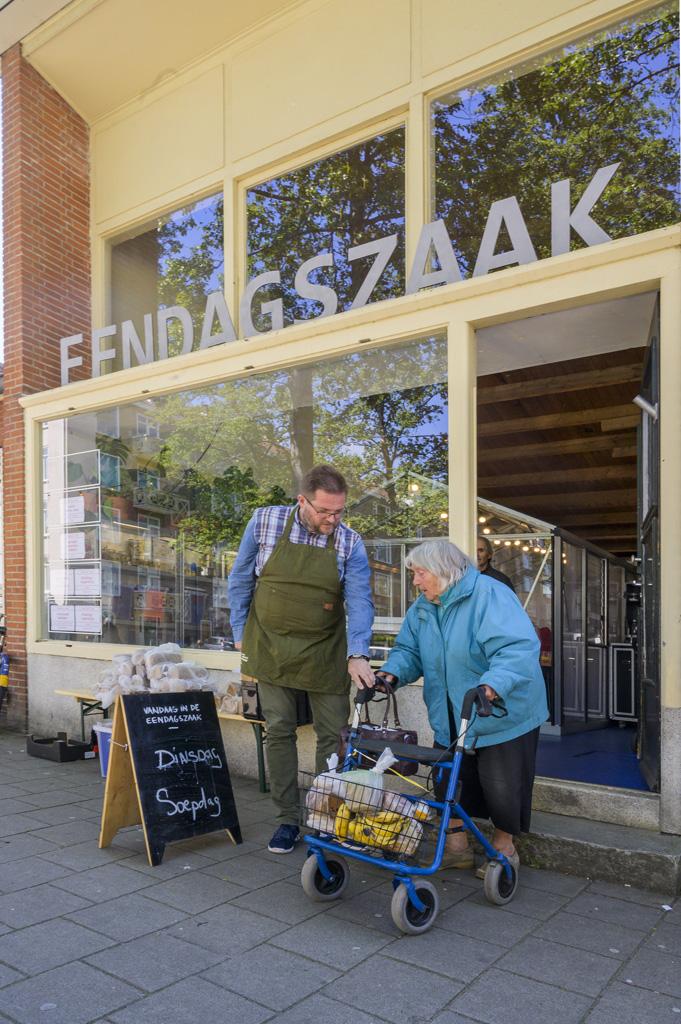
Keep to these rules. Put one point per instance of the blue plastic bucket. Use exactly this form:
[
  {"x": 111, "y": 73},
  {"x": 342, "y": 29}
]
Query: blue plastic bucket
[{"x": 103, "y": 730}]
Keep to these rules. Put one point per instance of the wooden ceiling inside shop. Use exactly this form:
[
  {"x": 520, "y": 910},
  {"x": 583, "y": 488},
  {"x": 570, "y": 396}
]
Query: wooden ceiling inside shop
[{"x": 558, "y": 442}]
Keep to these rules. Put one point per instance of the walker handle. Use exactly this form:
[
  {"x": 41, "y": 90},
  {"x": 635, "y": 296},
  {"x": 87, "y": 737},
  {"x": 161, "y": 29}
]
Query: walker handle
[
  {"x": 364, "y": 695},
  {"x": 470, "y": 698},
  {"x": 477, "y": 695}
]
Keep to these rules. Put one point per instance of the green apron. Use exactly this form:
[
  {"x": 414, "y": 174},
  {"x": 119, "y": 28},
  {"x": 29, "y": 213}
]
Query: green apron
[{"x": 295, "y": 632}]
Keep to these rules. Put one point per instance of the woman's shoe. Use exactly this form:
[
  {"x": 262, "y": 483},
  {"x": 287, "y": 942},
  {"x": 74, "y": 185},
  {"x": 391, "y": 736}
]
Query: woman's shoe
[
  {"x": 458, "y": 859},
  {"x": 512, "y": 858}
]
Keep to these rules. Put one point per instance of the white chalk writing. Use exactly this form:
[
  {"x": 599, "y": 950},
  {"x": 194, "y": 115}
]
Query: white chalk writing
[{"x": 187, "y": 806}]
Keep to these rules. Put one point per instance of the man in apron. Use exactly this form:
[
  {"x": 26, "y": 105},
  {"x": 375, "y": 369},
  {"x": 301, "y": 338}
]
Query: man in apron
[{"x": 298, "y": 571}]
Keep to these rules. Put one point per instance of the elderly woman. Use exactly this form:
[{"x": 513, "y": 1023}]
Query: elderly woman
[{"x": 466, "y": 630}]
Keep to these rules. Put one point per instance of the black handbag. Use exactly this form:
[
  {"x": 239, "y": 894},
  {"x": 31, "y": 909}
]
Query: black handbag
[{"x": 383, "y": 732}]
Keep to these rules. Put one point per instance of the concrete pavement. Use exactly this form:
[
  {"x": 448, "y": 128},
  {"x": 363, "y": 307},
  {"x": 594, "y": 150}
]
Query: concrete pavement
[{"x": 225, "y": 933}]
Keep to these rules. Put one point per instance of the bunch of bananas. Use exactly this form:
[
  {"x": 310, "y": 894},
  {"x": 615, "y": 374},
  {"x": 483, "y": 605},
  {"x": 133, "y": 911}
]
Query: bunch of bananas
[{"x": 381, "y": 829}]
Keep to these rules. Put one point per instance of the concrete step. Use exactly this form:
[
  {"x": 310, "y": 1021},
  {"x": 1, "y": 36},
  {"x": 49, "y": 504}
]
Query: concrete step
[
  {"x": 598, "y": 803},
  {"x": 607, "y": 852}
]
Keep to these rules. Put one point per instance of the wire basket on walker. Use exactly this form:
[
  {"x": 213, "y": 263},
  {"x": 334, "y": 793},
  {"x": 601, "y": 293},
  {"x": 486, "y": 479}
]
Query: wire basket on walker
[{"x": 391, "y": 822}]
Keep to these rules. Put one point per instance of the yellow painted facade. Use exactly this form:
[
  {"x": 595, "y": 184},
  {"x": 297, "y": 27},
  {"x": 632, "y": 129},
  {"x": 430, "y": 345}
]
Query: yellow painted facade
[{"x": 196, "y": 109}]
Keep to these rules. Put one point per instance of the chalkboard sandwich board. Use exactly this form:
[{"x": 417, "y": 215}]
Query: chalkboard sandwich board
[{"x": 167, "y": 770}]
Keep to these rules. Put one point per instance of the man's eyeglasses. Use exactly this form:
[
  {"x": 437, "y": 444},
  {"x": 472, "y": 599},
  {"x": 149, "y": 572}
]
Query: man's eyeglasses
[{"x": 338, "y": 514}]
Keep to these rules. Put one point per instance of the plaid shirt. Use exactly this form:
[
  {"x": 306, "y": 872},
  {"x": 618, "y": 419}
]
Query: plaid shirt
[
  {"x": 258, "y": 542},
  {"x": 270, "y": 523}
]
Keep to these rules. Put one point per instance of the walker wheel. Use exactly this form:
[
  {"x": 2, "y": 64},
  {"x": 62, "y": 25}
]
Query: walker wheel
[
  {"x": 318, "y": 888},
  {"x": 406, "y": 916},
  {"x": 498, "y": 887}
]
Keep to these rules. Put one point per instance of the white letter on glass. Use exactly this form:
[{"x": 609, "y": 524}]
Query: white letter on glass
[
  {"x": 504, "y": 211},
  {"x": 316, "y": 292},
  {"x": 215, "y": 303},
  {"x": 382, "y": 248},
  {"x": 68, "y": 361},
  {"x": 174, "y": 313},
  {"x": 99, "y": 356},
  {"x": 274, "y": 309},
  {"x": 434, "y": 235},
  {"x": 131, "y": 342},
  {"x": 585, "y": 226}
]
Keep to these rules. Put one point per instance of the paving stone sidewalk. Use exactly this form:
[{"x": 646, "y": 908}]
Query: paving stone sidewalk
[{"x": 221, "y": 933}]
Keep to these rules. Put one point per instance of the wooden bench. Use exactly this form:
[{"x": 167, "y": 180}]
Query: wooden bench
[{"x": 89, "y": 705}]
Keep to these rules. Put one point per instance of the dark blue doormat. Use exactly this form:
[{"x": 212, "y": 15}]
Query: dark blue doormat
[{"x": 602, "y": 756}]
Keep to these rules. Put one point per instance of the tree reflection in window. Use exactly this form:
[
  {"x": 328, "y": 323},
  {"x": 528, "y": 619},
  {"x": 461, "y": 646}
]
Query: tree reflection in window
[
  {"x": 379, "y": 416},
  {"x": 339, "y": 201},
  {"x": 176, "y": 262},
  {"x": 612, "y": 98}
]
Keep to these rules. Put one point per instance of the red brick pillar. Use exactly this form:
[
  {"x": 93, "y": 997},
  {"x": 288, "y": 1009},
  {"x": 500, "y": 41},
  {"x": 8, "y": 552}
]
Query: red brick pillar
[{"x": 46, "y": 210}]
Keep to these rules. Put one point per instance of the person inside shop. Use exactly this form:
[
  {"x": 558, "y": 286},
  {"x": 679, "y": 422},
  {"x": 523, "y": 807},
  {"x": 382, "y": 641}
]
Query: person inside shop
[
  {"x": 485, "y": 556},
  {"x": 297, "y": 572},
  {"x": 463, "y": 621}
]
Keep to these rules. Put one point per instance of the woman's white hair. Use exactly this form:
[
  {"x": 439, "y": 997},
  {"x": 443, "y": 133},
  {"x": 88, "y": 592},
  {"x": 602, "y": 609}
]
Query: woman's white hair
[{"x": 444, "y": 559}]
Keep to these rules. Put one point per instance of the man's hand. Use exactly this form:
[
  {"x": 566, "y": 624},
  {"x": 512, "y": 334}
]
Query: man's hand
[
  {"x": 361, "y": 673},
  {"x": 237, "y": 645},
  {"x": 490, "y": 693}
]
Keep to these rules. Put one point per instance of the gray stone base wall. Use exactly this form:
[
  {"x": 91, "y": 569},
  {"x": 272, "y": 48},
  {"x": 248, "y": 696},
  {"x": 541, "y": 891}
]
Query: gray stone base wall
[{"x": 670, "y": 771}]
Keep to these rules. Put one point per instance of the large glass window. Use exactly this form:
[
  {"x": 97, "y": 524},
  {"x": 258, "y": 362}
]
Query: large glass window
[
  {"x": 612, "y": 98},
  {"x": 176, "y": 261},
  {"x": 331, "y": 206},
  {"x": 141, "y": 555}
]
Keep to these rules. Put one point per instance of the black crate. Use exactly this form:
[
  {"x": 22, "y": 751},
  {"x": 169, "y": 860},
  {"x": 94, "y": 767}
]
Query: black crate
[{"x": 57, "y": 748}]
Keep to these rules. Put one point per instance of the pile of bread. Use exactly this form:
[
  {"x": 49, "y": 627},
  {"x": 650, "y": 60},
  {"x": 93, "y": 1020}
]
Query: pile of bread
[{"x": 156, "y": 670}]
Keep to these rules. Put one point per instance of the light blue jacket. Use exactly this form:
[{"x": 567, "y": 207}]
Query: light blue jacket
[{"x": 478, "y": 634}]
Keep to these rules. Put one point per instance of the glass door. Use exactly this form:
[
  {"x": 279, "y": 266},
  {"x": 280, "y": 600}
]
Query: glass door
[
  {"x": 573, "y": 603},
  {"x": 649, "y": 632}
]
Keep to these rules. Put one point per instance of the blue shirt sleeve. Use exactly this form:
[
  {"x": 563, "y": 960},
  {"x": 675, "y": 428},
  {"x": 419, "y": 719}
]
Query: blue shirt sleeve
[
  {"x": 358, "y": 602},
  {"x": 241, "y": 582}
]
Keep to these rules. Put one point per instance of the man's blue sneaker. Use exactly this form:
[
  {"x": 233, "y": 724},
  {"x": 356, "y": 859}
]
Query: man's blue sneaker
[{"x": 284, "y": 839}]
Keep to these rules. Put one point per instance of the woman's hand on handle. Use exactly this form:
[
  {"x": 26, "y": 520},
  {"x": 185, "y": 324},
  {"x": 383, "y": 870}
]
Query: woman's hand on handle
[{"x": 385, "y": 681}]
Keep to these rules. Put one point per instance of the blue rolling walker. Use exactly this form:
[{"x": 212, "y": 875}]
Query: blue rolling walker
[{"x": 415, "y": 902}]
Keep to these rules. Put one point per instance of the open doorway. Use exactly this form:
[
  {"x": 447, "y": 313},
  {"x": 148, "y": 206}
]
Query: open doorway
[{"x": 567, "y": 478}]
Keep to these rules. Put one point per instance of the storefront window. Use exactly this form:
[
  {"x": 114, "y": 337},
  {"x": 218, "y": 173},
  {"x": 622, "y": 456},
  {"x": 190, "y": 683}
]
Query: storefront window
[
  {"x": 329, "y": 207},
  {"x": 176, "y": 261},
  {"x": 610, "y": 99},
  {"x": 142, "y": 555}
]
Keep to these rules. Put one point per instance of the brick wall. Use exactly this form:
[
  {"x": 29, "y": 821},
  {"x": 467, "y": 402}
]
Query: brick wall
[{"x": 46, "y": 203}]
